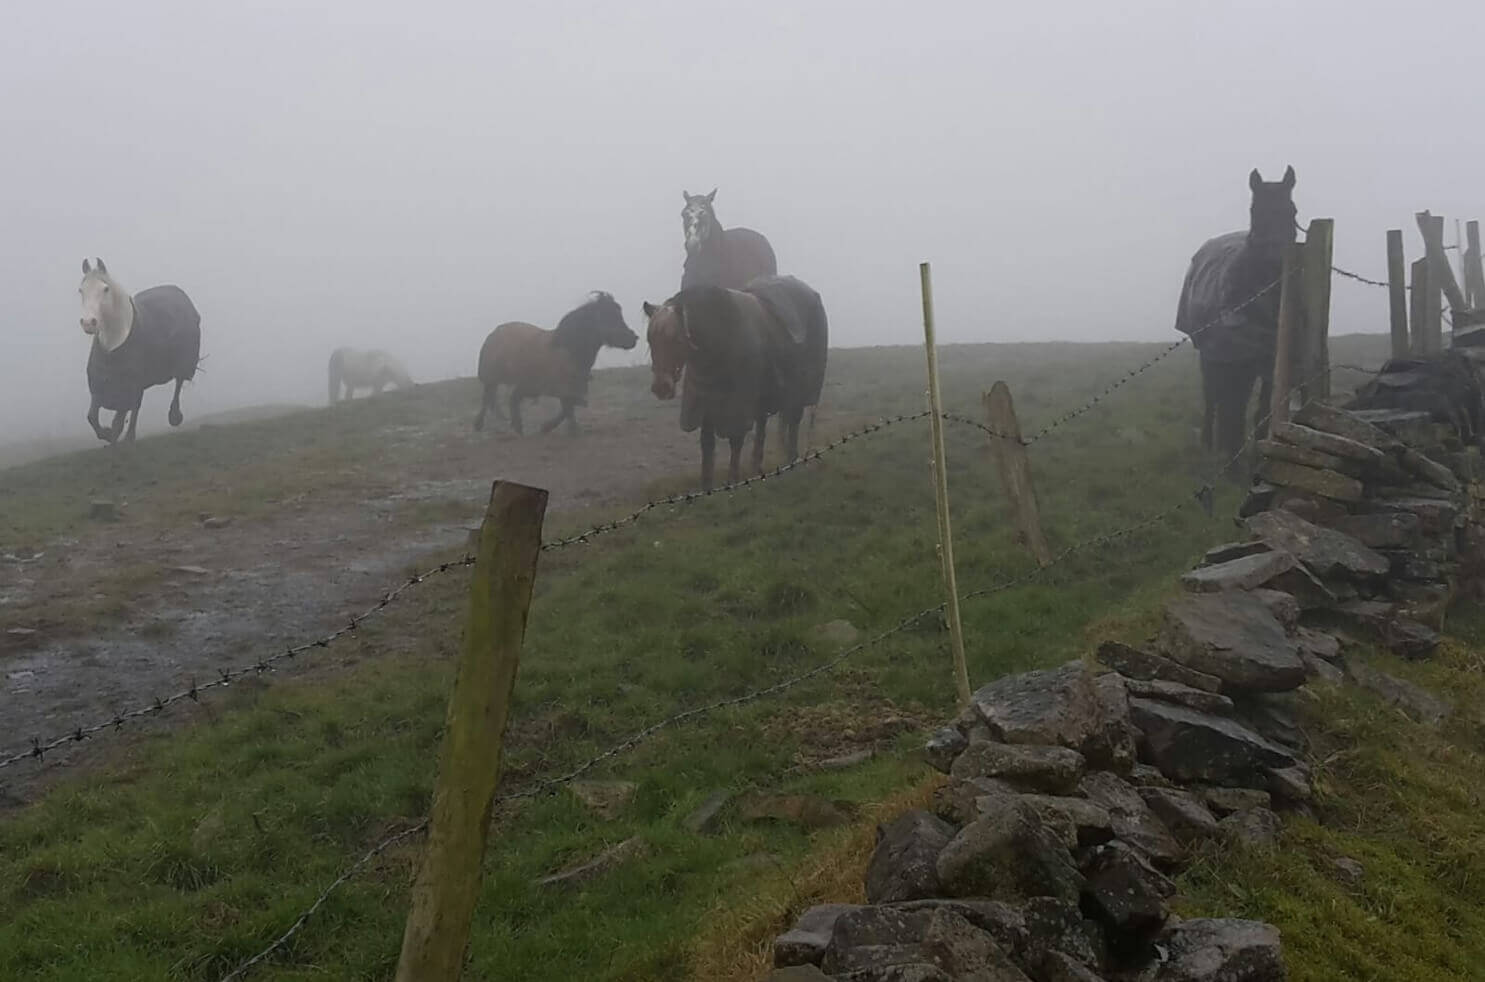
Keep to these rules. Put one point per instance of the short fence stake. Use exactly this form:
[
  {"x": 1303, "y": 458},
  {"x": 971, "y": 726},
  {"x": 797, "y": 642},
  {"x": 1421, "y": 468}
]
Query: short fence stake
[
  {"x": 1014, "y": 464},
  {"x": 941, "y": 491},
  {"x": 444, "y": 894},
  {"x": 1397, "y": 287},
  {"x": 1318, "y": 250}
]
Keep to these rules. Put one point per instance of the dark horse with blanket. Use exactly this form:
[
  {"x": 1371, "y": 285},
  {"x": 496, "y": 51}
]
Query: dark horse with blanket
[
  {"x": 149, "y": 339},
  {"x": 1234, "y": 333},
  {"x": 738, "y": 357},
  {"x": 717, "y": 256}
]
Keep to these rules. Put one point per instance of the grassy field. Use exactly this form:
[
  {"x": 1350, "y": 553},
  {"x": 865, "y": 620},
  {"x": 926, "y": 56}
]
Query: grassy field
[{"x": 190, "y": 851}]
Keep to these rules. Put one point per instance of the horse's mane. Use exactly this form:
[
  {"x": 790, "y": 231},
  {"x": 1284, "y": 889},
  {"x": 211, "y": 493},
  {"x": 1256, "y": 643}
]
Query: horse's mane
[{"x": 575, "y": 323}]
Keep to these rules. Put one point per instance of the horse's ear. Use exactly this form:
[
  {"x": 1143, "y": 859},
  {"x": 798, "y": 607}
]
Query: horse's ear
[
  {"x": 101, "y": 268},
  {"x": 711, "y": 197},
  {"x": 1255, "y": 180},
  {"x": 687, "y": 195},
  {"x": 86, "y": 268},
  {"x": 650, "y": 309},
  {"x": 1288, "y": 180}
]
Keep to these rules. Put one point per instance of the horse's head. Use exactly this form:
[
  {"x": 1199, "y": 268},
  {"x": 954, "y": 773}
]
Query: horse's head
[
  {"x": 669, "y": 347},
  {"x": 1272, "y": 215},
  {"x": 596, "y": 324},
  {"x": 104, "y": 302},
  {"x": 698, "y": 220},
  {"x": 608, "y": 319}
]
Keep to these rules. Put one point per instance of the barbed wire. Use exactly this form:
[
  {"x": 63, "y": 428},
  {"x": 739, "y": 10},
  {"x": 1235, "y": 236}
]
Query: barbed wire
[
  {"x": 39, "y": 748},
  {"x": 1359, "y": 278}
]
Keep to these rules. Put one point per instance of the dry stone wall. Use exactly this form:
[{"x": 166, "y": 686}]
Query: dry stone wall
[{"x": 1075, "y": 794}]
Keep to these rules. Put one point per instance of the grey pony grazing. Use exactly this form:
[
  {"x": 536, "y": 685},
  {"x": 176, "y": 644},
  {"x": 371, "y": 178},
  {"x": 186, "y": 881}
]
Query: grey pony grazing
[
  {"x": 1237, "y": 346},
  {"x": 149, "y": 339},
  {"x": 739, "y": 356},
  {"x": 729, "y": 258}
]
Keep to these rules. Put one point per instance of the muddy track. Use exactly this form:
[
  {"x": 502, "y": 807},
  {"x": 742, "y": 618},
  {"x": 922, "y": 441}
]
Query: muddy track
[{"x": 214, "y": 598}]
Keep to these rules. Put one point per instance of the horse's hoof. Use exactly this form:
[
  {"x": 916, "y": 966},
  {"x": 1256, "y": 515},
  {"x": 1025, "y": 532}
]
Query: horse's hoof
[{"x": 176, "y": 419}]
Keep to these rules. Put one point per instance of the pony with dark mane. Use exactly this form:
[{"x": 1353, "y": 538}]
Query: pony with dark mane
[
  {"x": 716, "y": 256},
  {"x": 139, "y": 341},
  {"x": 739, "y": 356},
  {"x": 536, "y": 362},
  {"x": 1234, "y": 334}
]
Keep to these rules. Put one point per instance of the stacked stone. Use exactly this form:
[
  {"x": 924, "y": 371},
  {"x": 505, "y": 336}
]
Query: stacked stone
[
  {"x": 1375, "y": 506},
  {"x": 1073, "y": 795}
]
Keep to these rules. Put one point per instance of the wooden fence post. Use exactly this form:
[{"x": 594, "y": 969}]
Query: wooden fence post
[
  {"x": 1010, "y": 458},
  {"x": 1397, "y": 291},
  {"x": 444, "y": 894},
  {"x": 1319, "y": 249},
  {"x": 1424, "y": 304},
  {"x": 1474, "y": 269},
  {"x": 1291, "y": 313},
  {"x": 1441, "y": 274},
  {"x": 941, "y": 491}
]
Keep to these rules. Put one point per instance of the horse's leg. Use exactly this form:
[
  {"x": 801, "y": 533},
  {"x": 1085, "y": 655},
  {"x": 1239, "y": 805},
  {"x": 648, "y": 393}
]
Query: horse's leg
[
  {"x": 479, "y": 417},
  {"x": 791, "y": 433},
  {"x": 116, "y": 428},
  {"x": 1233, "y": 392},
  {"x": 556, "y": 420},
  {"x": 176, "y": 418},
  {"x": 1208, "y": 403},
  {"x": 515, "y": 410},
  {"x": 570, "y": 411},
  {"x": 494, "y": 397},
  {"x": 760, "y": 430},
  {"x": 734, "y": 463},
  {"x": 98, "y": 431},
  {"x": 1265, "y": 405},
  {"x": 708, "y": 455},
  {"x": 134, "y": 417}
]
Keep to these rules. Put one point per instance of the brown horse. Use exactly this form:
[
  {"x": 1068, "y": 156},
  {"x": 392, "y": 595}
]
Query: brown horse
[
  {"x": 535, "y": 362},
  {"x": 739, "y": 356}
]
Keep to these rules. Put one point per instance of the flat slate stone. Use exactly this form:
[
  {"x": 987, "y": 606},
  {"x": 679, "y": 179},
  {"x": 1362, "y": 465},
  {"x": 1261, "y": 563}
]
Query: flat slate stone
[
  {"x": 806, "y": 941},
  {"x": 1244, "y": 573},
  {"x": 1417, "y": 702},
  {"x": 1133, "y": 820},
  {"x": 1136, "y": 663},
  {"x": 1322, "y": 442},
  {"x": 1429, "y": 469},
  {"x": 1188, "y": 745},
  {"x": 1226, "y": 801},
  {"x": 1325, "y": 552},
  {"x": 1185, "y": 695},
  {"x": 1436, "y": 516},
  {"x": 1351, "y": 425},
  {"x": 1330, "y": 484},
  {"x": 1273, "y": 450},
  {"x": 1234, "y": 637},
  {"x": 1188, "y": 819},
  {"x": 1233, "y": 550},
  {"x": 1055, "y": 770},
  {"x": 1055, "y": 706},
  {"x": 1210, "y": 949},
  {"x": 941, "y": 748},
  {"x": 1382, "y": 530},
  {"x": 1009, "y": 854},
  {"x": 903, "y": 866}
]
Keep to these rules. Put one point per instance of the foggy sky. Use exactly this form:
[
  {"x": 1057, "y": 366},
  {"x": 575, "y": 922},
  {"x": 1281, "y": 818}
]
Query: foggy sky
[{"x": 408, "y": 175}]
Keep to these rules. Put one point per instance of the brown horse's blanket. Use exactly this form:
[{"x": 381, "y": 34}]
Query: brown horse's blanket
[
  {"x": 796, "y": 338},
  {"x": 724, "y": 377},
  {"x": 1219, "y": 280},
  {"x": 164, "y": 345}
]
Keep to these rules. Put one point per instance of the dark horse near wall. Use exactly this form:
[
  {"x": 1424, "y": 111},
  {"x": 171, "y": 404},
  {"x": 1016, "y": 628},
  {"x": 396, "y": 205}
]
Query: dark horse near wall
[
  {"x": 730, "y": 258},
  {"x": 139, "y": 341},
  {"x": 1236, "y": 346},
  {"x": 535, "y": 362},
  {"x": 744, "y": 355}
]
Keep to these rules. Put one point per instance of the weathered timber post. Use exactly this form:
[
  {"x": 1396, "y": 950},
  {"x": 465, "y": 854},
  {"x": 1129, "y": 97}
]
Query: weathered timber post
[
  {"x": 941, "y": 491},
  {"x": 1010, "y": 458},
  {"x": 444, "y": 894},
  {"x": 1291, "y": 315},
  {"x": 1474, "y": 268},
  {"x": 1318, "y": 250},
  {"x": 1418, "y": 303},
  {"x": 1397, "y": 292},
  {"x": 1441, "y": 274}
]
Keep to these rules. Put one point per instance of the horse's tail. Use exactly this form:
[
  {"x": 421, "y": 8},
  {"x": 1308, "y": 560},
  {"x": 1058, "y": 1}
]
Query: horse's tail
[{"x": 335, "y": 358}]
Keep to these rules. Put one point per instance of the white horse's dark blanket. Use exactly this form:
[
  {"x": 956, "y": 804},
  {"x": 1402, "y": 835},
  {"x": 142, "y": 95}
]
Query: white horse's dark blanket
[
  {"x": 164, "y": 345},
  {"x": 1220, "y": 279}
]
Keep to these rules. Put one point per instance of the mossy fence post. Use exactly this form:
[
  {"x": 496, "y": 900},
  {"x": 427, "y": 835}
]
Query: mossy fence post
[
  {"x": 448, "y": 884},
  {"x": 1319, "y": 249},
  {"x": 1288, "y": 342},
  {"x": 1014, "y": 464},
  {"x": 941, "y": 491},
  {"x": 1397, "y": 293}
]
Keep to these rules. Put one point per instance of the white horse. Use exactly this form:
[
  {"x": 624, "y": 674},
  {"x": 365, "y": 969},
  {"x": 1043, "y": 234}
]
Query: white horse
[{"x": 355, "y": 369}]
